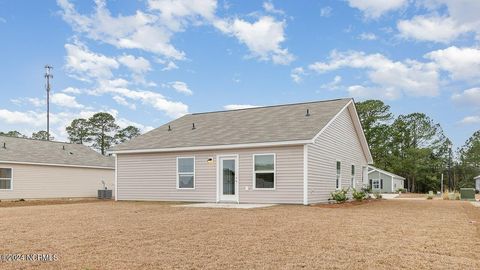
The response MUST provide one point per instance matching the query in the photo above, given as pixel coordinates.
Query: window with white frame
(338, 181)
(5, 178)
(352, 179)
(186, 172)
(264, 171)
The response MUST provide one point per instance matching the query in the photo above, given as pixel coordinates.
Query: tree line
(415, 147)
(100, 132)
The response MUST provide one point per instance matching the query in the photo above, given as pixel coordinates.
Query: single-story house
(383, 181)
(35, 169)
(477, 182)
(295, 153)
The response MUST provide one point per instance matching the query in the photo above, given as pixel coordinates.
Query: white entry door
(228, 182)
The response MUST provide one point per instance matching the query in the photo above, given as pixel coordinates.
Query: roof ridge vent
(308, 113)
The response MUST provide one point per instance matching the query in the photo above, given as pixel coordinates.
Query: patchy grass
(397, 234)
(18, 203)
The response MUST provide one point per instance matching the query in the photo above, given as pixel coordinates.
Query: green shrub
(402, 190)
(377, 195)
(359, 195)
(339, 196)
(429, 196)
(457, 195)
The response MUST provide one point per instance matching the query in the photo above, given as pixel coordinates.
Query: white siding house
(276, 154)
(34, 169)
(383, 181)
(477, 182)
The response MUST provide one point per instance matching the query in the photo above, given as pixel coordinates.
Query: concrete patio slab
(226, 205)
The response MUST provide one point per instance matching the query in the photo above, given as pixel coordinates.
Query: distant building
(383, 181)
(477, 182)
(35, 169)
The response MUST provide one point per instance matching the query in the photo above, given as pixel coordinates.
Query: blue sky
(150, 61)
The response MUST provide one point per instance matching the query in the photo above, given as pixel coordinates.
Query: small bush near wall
(359, 195)
(339, 196)
(377, 195)
(401, 190)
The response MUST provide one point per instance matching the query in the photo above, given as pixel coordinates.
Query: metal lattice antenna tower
(48, 76)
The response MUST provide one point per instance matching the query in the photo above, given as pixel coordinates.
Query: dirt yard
(411, 234)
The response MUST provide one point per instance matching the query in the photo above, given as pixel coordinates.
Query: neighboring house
(34, 169)
(477, 182)
(296, 153)
(383, 181)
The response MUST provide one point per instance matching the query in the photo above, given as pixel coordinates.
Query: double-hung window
(186, 172)
(338, 183)
(264, 171)
(6, 178)
(352, 179)
(376, 184)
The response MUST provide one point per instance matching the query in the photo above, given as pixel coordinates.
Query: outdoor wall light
(210, 160)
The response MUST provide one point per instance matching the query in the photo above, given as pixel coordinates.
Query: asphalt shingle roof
(48, 152)
(254, 125)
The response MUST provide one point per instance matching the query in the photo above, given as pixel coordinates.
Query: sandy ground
(399, 234)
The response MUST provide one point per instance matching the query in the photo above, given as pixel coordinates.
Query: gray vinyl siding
(48, 182)
(152, 176)
(338, 142)
(399, 184)
(387, 181)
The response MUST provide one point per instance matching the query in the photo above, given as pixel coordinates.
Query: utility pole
(48, 76)
(449, 166)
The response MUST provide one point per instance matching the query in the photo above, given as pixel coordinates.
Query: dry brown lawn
(401, 234)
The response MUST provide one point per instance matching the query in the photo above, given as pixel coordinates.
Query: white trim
(116, 178)
(269, 171)
(213, 147)
(235, 157)
(477, 177)
(339, 175)
(56, 165)
(178, 174)
(305, 174)
(385, 172)
(11, 179)
(363, 139)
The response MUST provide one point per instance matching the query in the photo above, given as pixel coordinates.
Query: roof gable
(28, 151)
(272, 124)
(374, 169)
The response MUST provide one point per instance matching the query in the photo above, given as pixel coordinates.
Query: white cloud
(438, 29)
(269, 7)
(262, 37)
(367, 36)
(85, 65)
(470, 120)
(297, 74)
(170, 66)
(16, 117)
(122, 101)
(411, 77)
(72, 90)
(180, 87)
(372, 92)
(461, 63)
(67, 101)
(469, 97)
(156, 100)
(135, 64)
(326, 11)
(376, 8)
(238, 106)
(176, 14)
(333, 85)
(445, 21)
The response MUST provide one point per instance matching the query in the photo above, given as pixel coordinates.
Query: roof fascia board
(361, 133)
(385, 172)
(212, 147)
(55, 165)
